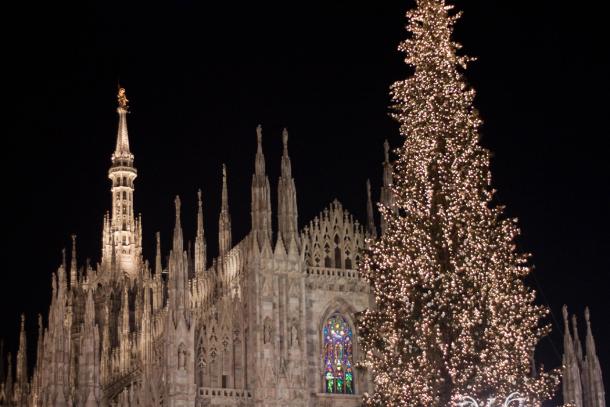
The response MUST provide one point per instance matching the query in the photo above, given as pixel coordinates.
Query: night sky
(200, 78)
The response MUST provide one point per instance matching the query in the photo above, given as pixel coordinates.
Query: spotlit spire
(287, 199)
(224, 220)
(261, 198)
(122, 141)
(178, 246)
(200, 245)
(122, 173)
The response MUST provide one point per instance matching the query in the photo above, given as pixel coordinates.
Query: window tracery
(337, 339)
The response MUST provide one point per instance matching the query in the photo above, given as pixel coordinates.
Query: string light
(453, 316)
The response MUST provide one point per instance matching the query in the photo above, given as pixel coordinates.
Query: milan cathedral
(270, 322)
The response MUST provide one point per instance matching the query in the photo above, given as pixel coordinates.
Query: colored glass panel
(337, 356)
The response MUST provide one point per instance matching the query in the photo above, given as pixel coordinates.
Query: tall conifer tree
(453, 316)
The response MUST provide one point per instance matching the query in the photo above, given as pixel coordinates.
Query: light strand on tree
(453, 315)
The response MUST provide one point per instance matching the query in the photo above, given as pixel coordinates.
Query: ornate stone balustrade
(333, 272)
(224, 393)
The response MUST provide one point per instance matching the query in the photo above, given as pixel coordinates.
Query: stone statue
(267, 331)
(294, 337)
(181, 357)
(122, 98)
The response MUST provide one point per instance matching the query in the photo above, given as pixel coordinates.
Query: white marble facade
(245, 330)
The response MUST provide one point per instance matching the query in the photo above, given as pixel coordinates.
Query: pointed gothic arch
(202, 360)
(337, 346)
(338, 355)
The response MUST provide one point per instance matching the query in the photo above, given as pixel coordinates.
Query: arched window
(337, 350)
(201, 363)
(338, 257)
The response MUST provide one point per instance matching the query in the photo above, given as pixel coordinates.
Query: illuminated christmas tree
(453, 315)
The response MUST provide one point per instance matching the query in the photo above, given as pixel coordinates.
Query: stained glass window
(337, 356)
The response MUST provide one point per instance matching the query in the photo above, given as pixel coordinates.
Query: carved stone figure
(122, 98)
(294, 337)
(267, 331)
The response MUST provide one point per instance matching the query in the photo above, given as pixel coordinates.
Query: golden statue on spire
(122, 98)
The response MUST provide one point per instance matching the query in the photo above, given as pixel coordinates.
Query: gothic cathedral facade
(270, 322)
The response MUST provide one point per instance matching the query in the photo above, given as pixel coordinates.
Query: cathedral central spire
(122, 140)
(121, 234)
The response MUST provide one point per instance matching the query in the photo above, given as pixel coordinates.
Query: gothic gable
(333, 239)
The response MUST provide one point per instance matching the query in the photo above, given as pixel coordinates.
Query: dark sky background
(200, 78)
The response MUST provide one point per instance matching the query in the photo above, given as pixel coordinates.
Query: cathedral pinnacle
(21, 368)
(582, 379)
(386, 197)
(369, 211)
(259, 169)
(224, 219)
(177, 204)
(200, 245)
(590, 344)
(286, 170)
(261, 198)
(285, 140)
(178, 244)
(259, 137)
(73, 266)
(287, 199)
(158, 266)
(386, 151)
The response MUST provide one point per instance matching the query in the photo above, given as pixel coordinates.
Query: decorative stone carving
(180, 333)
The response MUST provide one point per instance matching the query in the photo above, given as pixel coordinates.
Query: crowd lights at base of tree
(513, 400)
